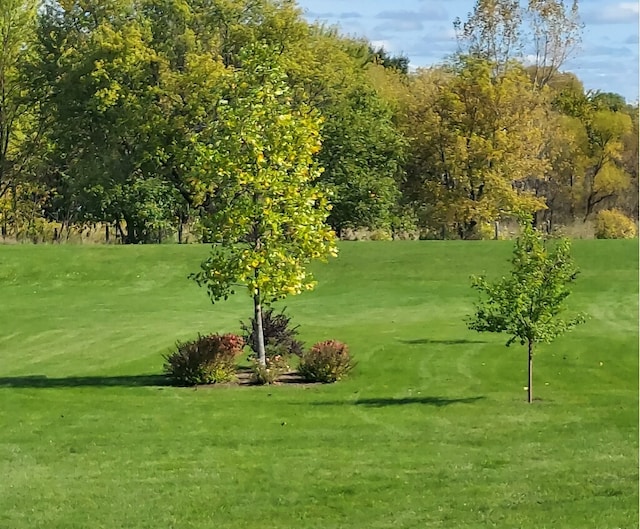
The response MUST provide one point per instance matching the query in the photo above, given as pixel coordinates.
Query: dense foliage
(613, 224)
(326, 362)
(131, 117)
(280, 336)
(256, 162)
(268, 373)
(206, 360)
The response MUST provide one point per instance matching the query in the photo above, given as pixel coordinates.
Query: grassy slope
(431, 431)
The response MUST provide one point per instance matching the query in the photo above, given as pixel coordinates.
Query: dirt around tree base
(243, 378)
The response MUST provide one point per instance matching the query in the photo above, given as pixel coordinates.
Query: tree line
(117, 113)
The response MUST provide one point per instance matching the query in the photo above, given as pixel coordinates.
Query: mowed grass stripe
(430, 431)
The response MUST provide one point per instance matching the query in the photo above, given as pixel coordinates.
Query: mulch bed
(243, 378)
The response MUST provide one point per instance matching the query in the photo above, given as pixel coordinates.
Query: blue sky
(607, 59)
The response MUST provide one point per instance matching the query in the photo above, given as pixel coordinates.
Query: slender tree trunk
(530, 385)
(14, 205)
(257, 310)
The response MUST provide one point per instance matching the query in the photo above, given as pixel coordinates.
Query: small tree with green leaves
(528, 303)
(256, 162)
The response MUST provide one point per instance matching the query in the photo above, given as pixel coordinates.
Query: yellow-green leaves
(267, 214)
(527, 303)
(17, 24)
(476, 138)
(588, 159)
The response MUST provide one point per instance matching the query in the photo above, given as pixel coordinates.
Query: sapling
(527, 304)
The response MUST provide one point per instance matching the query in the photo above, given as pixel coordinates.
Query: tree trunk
(14, 205)
(530, 385)
(120, 232)
(466, 229)
(257, 310)
(133, 234)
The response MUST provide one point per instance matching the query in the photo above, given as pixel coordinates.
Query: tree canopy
(255, 158)
(527, 304)
(101, 103)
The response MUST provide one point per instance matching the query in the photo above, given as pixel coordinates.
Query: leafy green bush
(279, 335)
(277, 365)
(207, 360)
(325, 362)
(613, 224)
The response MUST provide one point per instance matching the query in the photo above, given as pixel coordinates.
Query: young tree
(527, 304)
(256, 161)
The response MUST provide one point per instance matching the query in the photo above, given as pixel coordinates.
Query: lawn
(431, 430)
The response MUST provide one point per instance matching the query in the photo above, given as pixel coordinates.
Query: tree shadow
(427, 401)
(42, 381)
(422, 341)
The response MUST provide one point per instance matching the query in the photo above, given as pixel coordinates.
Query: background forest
(113, 117)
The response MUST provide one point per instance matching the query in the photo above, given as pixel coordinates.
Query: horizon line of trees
(107, 109)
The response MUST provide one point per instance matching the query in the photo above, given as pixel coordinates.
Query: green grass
(431, 430)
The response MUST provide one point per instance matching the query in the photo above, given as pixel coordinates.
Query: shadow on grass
(422, 341)
(41, 381)
(427, 401)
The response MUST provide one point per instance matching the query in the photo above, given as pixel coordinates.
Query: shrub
(381, 234)
(325, 362)
(613, 224)
(207, 360)
(486, 231)
(404, 224)
(277, 365)
(279, 335)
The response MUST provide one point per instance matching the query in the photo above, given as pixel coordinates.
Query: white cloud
(619, 13)
(377, 44)
(633, 7)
